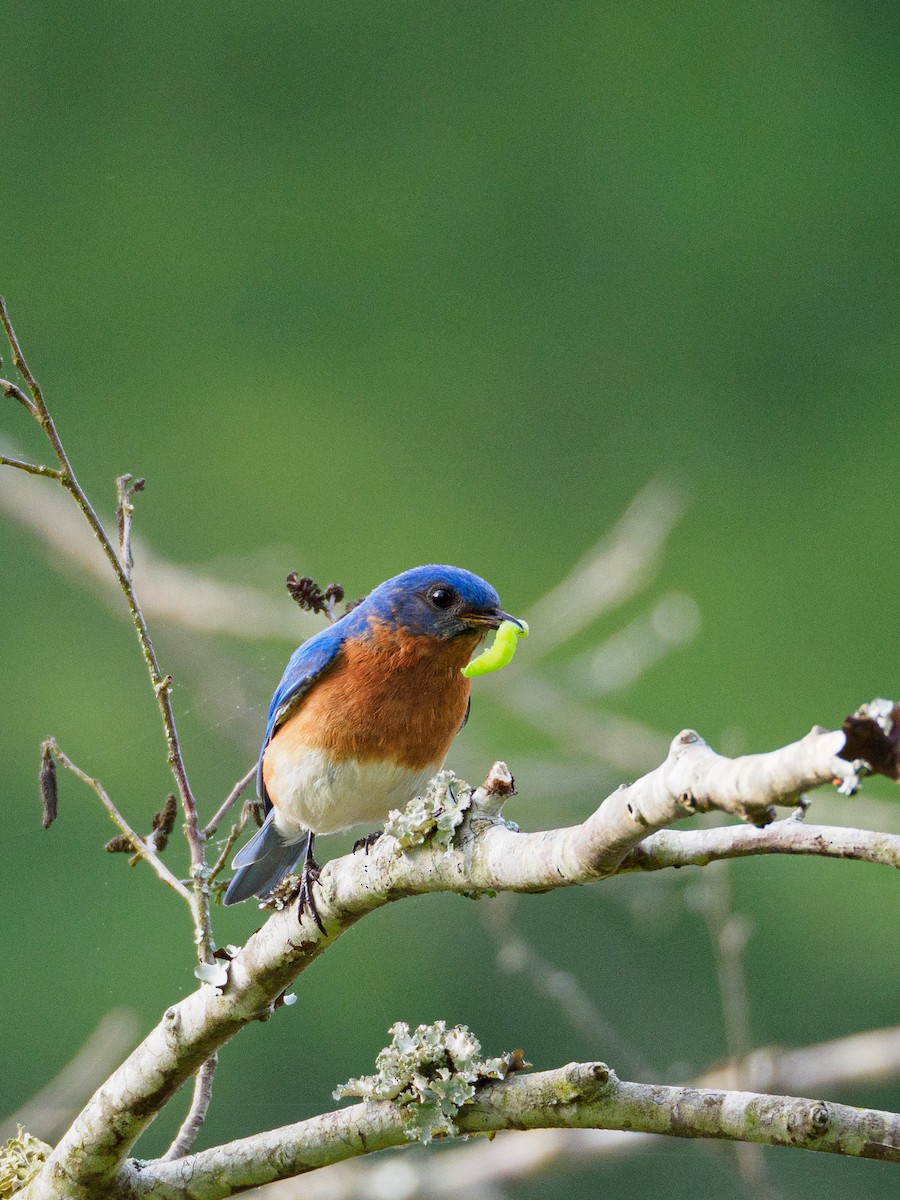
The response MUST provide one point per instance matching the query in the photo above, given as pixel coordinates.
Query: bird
(363, 717)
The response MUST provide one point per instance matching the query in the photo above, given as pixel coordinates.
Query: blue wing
(306, 665)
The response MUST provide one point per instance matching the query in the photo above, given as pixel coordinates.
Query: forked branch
(120, 562)
(486, 855)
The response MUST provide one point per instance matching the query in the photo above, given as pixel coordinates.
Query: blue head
(436, 601)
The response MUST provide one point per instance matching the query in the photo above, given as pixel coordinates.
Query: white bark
(487, 855)
(578, 1096)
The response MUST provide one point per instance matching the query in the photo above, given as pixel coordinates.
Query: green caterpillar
(500, 651)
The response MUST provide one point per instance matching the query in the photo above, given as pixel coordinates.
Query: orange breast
(395, 699)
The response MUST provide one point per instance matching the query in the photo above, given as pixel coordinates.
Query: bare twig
(193, 1122)
(729, 932)
(621, 742)
(626, 655)
(236, 830)
(232, 798)
(14, 392)
(30, 468)
(869, 1057)
(142, 846)
(161, 683)
(18, 359)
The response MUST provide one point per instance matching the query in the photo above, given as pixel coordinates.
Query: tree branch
(479, 1165)
(577, 1096)
(698, 847)
(228, 844)
(488, 855)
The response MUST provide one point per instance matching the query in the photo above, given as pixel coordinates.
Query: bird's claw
(306, 898)
(366, 843)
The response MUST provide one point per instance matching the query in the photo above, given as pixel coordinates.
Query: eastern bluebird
(363, 718)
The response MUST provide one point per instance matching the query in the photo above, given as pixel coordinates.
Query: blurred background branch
(50, 1111)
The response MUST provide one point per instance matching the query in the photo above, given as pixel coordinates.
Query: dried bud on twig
(164, 823)
(307, 593)
(47, 780)
(120, 844)
(126, 486)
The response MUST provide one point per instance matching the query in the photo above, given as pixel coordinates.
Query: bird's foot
(306, 897)
(366, 843)
(284, 892)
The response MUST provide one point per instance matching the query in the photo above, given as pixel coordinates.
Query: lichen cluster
(429, 1074)
(20, 1161)
(435, 815)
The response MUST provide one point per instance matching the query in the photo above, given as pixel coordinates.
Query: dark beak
(490, 618)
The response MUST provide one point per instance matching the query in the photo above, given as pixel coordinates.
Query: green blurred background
(364, 285)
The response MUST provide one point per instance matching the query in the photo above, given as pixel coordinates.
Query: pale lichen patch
(434, 816)
(20, 1161)
(429, 1074)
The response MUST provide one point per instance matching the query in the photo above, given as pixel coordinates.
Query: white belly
(315, 793)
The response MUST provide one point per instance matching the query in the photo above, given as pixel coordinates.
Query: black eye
(441, 597)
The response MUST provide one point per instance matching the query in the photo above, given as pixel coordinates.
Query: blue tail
(263, 862)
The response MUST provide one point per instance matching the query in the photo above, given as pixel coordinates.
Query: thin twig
(236, 830)
(729, 932)
(161, 683)
(18, 358)
(14, 392)
(621, 742)
(193, 1122)
(31, 468)
(233, 796)
(872, 1056)
(141, 846)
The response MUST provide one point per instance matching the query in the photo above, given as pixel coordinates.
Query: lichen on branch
(429, 1073)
